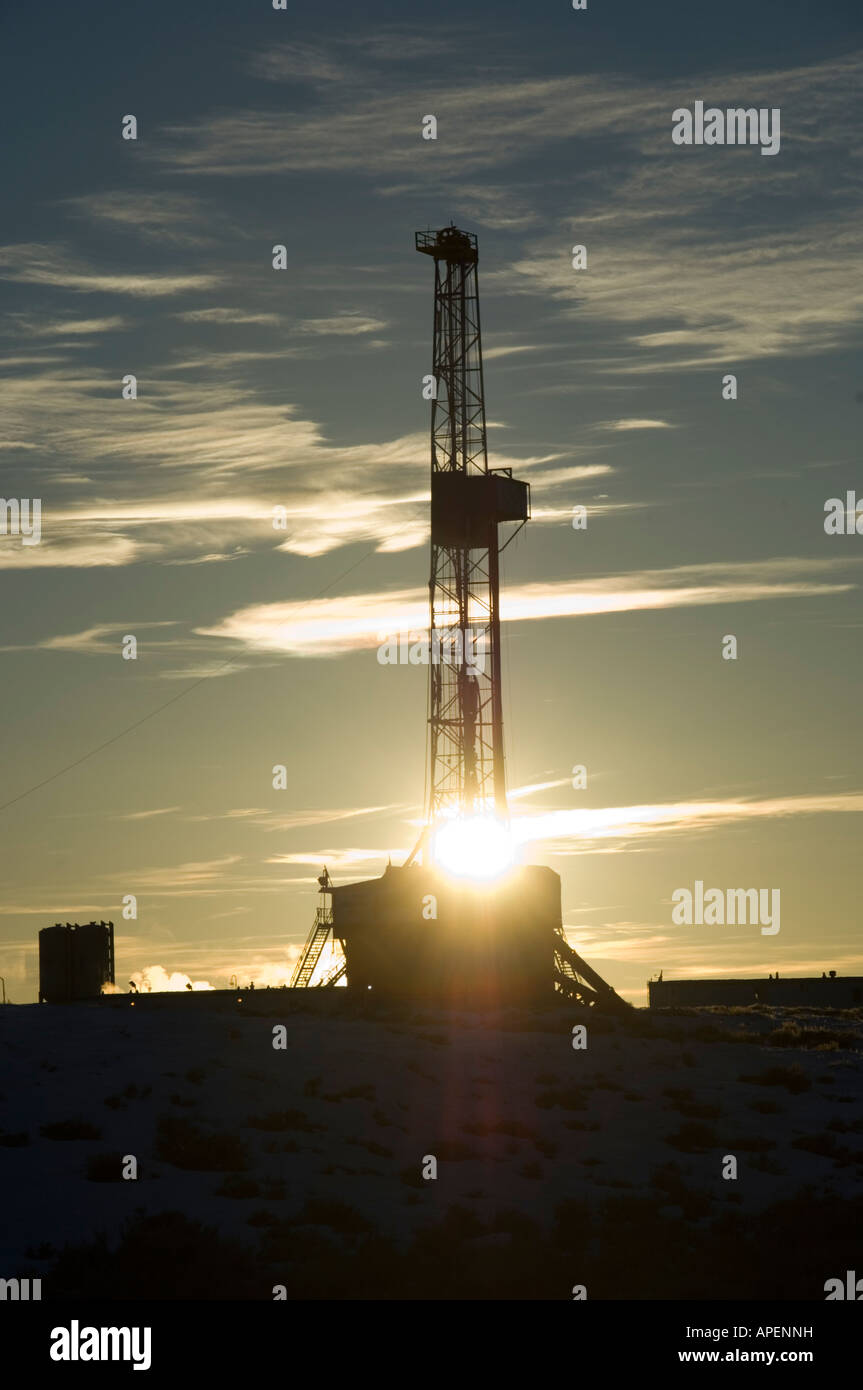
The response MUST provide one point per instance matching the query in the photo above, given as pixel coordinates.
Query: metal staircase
(334, 976)
(575, 979)
(311, 952)
(315, 942)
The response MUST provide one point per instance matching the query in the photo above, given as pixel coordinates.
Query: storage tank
(55, 964)
(92, 959)
(75, 961)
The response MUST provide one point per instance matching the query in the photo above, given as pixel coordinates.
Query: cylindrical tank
(55, 964)
(75, 961)
(92, 959)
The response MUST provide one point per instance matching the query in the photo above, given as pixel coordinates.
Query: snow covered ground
(355, 1104)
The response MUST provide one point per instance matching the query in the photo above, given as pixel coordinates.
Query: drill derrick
(468, 503)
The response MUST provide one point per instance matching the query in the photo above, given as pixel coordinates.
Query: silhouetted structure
(468, 503)
(502, 941)
(417, 933)
(833, 992)
(75, 961)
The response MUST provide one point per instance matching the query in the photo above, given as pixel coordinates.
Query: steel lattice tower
(468, 502)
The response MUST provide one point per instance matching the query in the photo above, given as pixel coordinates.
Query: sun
(473, 847)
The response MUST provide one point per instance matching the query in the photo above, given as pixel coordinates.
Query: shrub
(547, 1147)
(278, 1121)
(793, 1078)
(372, 1147)
(751, 1143)
(262, 1217)
(826, 1146)
(513, 1127)
(790, 1034)
(338, 1216)
(70, 1129)
(182, 1144)
(846, 1126)
(452, 1150)
(162, 1256)
(364, 1092)
(412, 1176)
(629, 1247)
(686, 1105)
(105, 1167)
(567, 1097)
(693, 1138)
(763, 1163)
(239, 1187)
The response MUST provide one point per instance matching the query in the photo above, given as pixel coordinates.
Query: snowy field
(321, 1146)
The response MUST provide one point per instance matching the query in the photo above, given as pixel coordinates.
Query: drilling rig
(413, 931)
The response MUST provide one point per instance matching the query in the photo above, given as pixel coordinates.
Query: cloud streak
(332, 626)
(30, 263)
(562, 828)
(488, 123)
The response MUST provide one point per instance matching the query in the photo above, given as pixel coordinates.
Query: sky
(301, 389)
